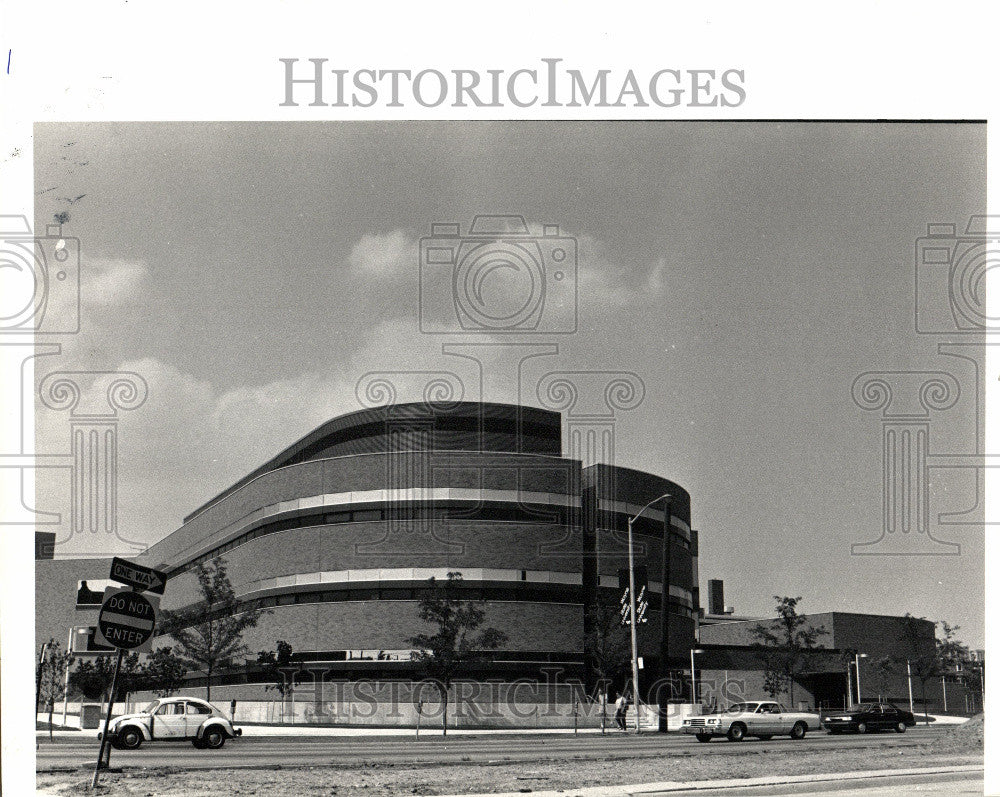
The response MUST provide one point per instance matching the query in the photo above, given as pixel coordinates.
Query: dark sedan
(868, 718)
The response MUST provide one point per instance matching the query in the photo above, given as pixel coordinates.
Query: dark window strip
(455, 512)
(515, 592)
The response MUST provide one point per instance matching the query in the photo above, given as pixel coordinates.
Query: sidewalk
(735, 783)
(290, 729)
(347, 731)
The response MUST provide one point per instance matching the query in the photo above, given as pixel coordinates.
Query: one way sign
(138, 577)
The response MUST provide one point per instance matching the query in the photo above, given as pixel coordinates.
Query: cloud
(391, 254)
(103, 284)
(106, 283)
(192, 438)
(605, 282)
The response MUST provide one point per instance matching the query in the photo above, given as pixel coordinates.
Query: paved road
(319, 751)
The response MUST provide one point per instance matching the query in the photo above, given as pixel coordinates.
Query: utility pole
(631, 605)
(665, 560)
(38, 679)
(909, 684)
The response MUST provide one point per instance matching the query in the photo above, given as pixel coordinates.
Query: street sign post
(140, 578)
(126, 622)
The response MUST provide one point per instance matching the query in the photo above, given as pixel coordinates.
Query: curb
(733, 783)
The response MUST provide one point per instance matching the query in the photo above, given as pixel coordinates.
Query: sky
(747, 273)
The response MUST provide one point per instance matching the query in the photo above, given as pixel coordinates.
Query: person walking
(621, 709)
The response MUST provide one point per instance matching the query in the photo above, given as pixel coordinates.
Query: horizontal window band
(420, 576)
(626, 510)
(455, 513)
(499, 594)
(656, 587)
(647, 529)
(307, 658)
(395, 497)
(470, 576)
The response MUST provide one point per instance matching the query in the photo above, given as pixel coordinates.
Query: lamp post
(694, 683)
(631, 604)
(857, 669)
(38, 679)
(909, 684)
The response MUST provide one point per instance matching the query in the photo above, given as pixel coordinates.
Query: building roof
(416, 426)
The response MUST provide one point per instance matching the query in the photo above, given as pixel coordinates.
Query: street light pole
(38, 679)
(909, 684)
(694, 683)
(857, 667)
(69, 649)
(631, 616)
(631, 605)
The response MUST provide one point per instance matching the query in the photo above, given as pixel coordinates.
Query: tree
(882, 670)
(974, 677)
(163, 673)
(608, 643)
(209, 633)
(786, 645)
(458, 640)
(276, 667)
(926, 662)
(93, 677)
(608, 646)
(52, 683)
(949, 651)
(922, 666)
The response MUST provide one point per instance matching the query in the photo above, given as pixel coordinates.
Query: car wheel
(214, 738)
(862, 727)
(703, 737)
(198, 743)
(130, 738)
(737, 732)
(901, 727)
(765, 737)
(798, 730)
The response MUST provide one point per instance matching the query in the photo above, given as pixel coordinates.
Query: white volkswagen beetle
(173, 719)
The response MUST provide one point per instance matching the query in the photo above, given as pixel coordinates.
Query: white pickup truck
(762, 718)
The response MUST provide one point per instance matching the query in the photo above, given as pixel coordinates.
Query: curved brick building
(338, 534)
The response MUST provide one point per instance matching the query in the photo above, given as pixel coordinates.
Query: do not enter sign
(127, 619)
